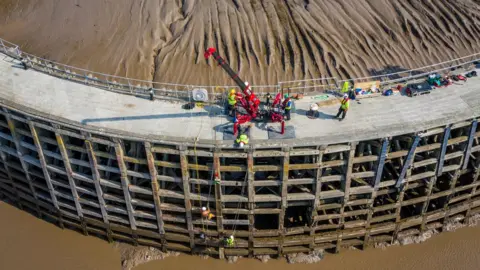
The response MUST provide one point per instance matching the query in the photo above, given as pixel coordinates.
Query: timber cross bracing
(274, 200)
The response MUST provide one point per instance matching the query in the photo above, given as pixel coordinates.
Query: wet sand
(27, 242)
(266, 40)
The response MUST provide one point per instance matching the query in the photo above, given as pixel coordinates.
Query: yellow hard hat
(232, 91)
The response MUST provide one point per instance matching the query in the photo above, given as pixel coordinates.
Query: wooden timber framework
(274, 201)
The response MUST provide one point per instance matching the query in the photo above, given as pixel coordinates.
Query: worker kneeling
(232, 102)
(207, 214)
(344, 105)
(242, 139)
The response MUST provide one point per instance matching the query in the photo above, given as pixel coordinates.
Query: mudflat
(27, 242)
(266, 40)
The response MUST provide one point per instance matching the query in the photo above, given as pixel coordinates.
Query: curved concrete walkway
(371, 118)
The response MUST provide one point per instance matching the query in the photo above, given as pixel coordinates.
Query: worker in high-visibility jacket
(232, 101)
(287, 106)
(230, 241)
(344, 105)
(243, 139)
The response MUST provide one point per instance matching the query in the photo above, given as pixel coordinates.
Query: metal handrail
(174, 91)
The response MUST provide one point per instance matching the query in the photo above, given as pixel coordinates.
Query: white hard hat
(345, 95)
(231, 236)
(204, 208)
(246, 83)
(241, 144)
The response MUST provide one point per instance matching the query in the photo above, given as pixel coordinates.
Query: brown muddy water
(27, 242)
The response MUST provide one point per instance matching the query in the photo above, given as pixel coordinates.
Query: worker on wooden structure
(344, 105)
(242, 138)
(230, 241)
(232, 102)
(287, 106)
(207, 214)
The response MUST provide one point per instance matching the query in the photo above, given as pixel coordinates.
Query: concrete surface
(367, 119)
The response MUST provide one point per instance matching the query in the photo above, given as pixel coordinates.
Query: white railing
(171, 91)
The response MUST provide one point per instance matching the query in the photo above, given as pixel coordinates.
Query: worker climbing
(287, 106)
(243, 136)
(344, 105)
(206, 213)
(232, 101)
(230, 241)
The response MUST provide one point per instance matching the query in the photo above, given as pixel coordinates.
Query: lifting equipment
(248, 105)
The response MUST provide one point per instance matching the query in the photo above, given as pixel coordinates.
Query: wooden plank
(155, 187)
(468, 151)
(408, 161)
(119, 152)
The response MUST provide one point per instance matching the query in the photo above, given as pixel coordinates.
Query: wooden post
(251, 200)
(376, 185)
(468, 150)
(218, 193)
(68, 168)
(155, 190)
(346, 188)
(281, 217)
(119, 152)
(441, 160)
(316, 201)
(25, 166)
(96, 181)
(43, 163)
(186, 193)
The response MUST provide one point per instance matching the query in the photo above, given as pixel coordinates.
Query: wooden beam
(284, 202)
(441, 159)
(251, 200)
(381, 163)
(155, 187)
(20, 154)
(218, 192)
(119, 152)
(186, 192)
(96, 178)
(468, 151)
(68, 168)
(43, 162)
(408, 161)
(346, 189)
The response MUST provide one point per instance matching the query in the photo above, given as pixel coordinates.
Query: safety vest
(232, 100)
(242, 138)
(230, 242)
(345, 104)
(288, 104)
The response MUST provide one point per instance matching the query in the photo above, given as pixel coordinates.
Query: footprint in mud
(129, 105)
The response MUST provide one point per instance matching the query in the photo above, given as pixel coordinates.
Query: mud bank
(267, 40)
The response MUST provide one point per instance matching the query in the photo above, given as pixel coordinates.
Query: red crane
(249, 101)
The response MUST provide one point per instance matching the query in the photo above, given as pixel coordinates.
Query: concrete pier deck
(367, 119)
